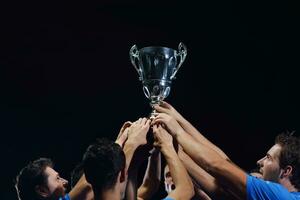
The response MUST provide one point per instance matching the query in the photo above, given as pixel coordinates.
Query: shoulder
(257, 187)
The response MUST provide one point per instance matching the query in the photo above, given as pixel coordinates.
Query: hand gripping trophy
(157, 67)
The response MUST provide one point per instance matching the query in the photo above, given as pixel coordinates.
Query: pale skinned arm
(81, 189)
(123, 133)
(151, 179)
(137, 134)
(167, 108)
(199, 175)
(207, 158)
(184, 186)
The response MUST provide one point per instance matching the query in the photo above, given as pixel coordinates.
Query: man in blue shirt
(38, 180)
(280, 167)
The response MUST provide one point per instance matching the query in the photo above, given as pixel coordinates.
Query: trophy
(157, 67)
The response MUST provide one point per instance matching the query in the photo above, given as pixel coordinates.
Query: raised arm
(137, 134)
(226, 173)
(81, 189)
(203, 181)
(152, 177)
(133, 136)
(187, 126)
(184, 188)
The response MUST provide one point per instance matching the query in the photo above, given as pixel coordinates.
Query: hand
(137, 133)
(122, 136)
(162, 139)
(167, 108)
(171, 124)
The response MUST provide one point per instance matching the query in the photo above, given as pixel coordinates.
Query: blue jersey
(168, 198)
(258, 189)
(66, 197)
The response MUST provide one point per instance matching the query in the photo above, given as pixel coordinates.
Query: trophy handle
(134, 54)
(182, 52)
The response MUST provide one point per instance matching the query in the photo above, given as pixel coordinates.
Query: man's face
(169, 185)
(269, 165)
(55, 184)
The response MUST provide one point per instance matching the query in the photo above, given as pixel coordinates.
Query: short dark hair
(76, 174)
(102, 163)
(30, 176)
(290, 155)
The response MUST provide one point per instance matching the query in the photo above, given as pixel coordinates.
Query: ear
(287, 171)
(123, 175)
(42, 191)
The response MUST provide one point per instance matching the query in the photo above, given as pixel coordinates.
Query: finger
(144, 120)
(139, 120)
(155, 119)
(124, 126)
(154, 128)
(148, 122)
(160, 109)
(158, 121)
(165, 104)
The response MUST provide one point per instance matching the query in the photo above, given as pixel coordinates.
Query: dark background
(66, 77)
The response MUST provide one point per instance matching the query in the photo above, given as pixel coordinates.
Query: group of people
(193, 167)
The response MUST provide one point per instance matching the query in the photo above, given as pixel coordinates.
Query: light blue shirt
(66, 197)
(258, 189)
(168, 198)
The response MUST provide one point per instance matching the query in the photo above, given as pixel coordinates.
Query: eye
(168, 174)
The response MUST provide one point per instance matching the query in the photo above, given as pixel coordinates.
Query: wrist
(167, 149)
(130, 144)
(179, 133)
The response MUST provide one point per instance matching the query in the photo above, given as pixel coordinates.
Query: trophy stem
(153, 112)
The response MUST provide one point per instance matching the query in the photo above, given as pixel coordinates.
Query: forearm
(181, 179)
(189, 128)
(225, 172)
(129, 149)
(81, 189)
(202, 178)
(151, 179)
(131, 186)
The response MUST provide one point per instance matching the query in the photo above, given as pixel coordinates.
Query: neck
(288, 185)
(110, 194)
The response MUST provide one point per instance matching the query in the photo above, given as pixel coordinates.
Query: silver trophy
(157, 67)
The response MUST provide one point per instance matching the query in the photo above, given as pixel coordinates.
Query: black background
(66, 77)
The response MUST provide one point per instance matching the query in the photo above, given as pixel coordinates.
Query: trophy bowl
(157, 67)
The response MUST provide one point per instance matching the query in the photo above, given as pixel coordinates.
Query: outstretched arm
(203, 181)
(137, 134)
(184, 188)
(152, 176)
(167, 108)
(224, 171)
(81, 189)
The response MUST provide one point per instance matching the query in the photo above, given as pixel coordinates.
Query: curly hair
(290, 155)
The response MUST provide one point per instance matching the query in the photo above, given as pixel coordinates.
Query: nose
(64, 182)
(260, 162)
